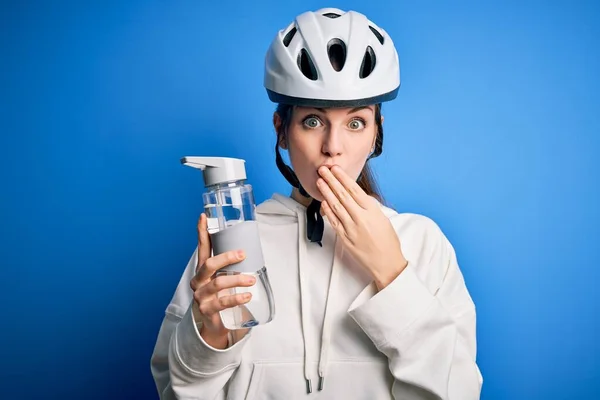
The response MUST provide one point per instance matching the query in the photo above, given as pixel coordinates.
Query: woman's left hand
(366, 232)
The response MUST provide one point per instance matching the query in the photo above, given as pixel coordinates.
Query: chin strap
(314, 220)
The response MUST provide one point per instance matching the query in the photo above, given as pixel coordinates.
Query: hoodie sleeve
(183, 365)
(424, 322)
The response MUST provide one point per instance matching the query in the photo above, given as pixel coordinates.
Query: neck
(305, 201)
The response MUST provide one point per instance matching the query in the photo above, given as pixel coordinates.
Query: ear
(277, 125)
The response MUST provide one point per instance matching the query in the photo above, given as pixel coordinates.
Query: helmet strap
(314, 220)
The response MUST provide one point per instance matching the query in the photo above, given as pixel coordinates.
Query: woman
(371, 304)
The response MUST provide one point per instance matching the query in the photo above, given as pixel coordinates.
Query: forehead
(335, 111)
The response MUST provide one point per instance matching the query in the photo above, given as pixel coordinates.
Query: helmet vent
(337, 53)
(377, 34)
(332, 15)
(289, 36)
(306, 65)
(368, 63)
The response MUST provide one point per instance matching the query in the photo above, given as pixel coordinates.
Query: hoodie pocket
(348, 380)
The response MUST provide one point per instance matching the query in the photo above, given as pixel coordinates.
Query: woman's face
(328, 136)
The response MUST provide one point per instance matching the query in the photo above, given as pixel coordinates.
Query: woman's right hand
(206, 288)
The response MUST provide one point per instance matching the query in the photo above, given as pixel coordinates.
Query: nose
(332, 143)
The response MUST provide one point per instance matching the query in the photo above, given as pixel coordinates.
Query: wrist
(219, 342)
(382, 280)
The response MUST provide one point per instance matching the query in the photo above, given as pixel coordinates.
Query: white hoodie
(415, 339)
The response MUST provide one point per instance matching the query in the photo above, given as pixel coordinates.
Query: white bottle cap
(217, 169)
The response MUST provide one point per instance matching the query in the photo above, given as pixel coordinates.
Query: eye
(357, 124)
(311, 122)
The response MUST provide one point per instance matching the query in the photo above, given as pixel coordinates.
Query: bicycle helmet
(332, 58)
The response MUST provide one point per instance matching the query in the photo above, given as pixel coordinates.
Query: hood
(281, 205)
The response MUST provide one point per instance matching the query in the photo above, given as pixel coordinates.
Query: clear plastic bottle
(230, 208)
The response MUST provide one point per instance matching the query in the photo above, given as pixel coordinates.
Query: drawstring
(304, 299)
(305, 306)
(331, 292)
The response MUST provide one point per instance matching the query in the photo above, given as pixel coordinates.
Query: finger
(352, 187)
(341, 193)
(213, 264)
(335, 205)
(333, 219)
(226, 282)
(218, 304)
(204, 245)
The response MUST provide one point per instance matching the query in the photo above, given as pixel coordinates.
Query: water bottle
(230, 210)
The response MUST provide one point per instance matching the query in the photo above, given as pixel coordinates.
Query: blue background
(494, 135)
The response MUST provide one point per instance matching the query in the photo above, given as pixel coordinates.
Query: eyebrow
(355, 109)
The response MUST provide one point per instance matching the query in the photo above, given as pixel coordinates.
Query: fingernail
(251, 280)
(246, 296)
(240, 254)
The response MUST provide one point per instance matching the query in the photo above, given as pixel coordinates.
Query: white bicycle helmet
(332, 58)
